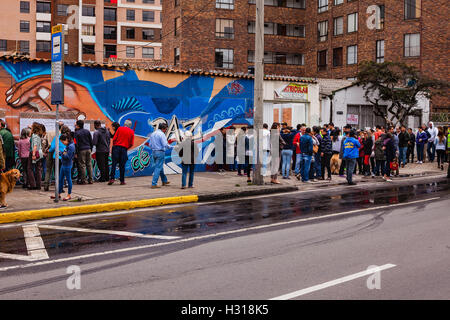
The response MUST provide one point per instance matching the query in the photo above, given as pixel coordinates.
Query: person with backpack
(306, 146)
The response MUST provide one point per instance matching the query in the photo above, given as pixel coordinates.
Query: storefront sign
(293, 91)
(352, 119)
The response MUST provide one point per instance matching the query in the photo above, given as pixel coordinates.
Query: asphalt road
(295, 246)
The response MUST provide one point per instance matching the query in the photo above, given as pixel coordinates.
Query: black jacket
(403, 138)
(101, 140)
(84, 140)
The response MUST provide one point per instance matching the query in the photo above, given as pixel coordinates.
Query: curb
(247, 193)
(20, 216)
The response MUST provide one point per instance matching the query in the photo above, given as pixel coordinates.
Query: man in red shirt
(123, 140)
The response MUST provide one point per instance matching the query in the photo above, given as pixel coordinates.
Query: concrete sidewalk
(207, 186)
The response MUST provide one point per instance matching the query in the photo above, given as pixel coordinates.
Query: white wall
(355, 95)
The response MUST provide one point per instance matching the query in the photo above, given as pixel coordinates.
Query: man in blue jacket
(306, 148)
(351, 153)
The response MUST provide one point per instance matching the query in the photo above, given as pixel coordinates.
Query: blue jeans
(65, 172)
(402, 155)
(317, 172)
(158, 159)
(286, 156)
(185, 168)
(297, 163)
(380, 164)
(351, 164)
(431, 149)
(119, 156)
(420, 152)
(305, 164)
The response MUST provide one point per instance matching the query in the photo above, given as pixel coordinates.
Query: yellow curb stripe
(21, 216)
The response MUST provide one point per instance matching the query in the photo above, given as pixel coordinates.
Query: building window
(225, 4)
(88, 30)
(130, 33)
(352, 54)
(322, 31)
(412, 9)
(148, 34)
(338, 26)
(24, 47)
(412, 45)
(148, 53)
(337, 57)
(88, 11)
(224, 58)
(336, 2)
(177, 23)
(322, 60)
(62, 10)
(88, 49)
(322, 5)
(3, 45)
(149, 1)
(177, 3)
(352, 22)
(24, 7)
(43, 46)
(130, 15)
(148, 16)
(176, 56)
(278, 58)
(42, 26)
(224, 29)
(24, 26)
(110, 32)
(110, 50)
(380, 18)
(130, 52)
(299, 4)
(66, 48)
(379, 58)
(290, 30)
(110, 14)
(43, 7)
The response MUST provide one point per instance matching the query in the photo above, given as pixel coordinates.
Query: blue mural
(201, 104)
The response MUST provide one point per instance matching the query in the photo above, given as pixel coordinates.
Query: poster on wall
(352, 119)
(48, 123)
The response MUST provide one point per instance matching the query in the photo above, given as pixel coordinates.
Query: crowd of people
(309, 154)
(36, 149)
(316, 153)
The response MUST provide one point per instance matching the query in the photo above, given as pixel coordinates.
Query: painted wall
(201, 104)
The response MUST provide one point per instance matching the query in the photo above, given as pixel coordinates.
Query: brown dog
(335, 164)
(7, 183)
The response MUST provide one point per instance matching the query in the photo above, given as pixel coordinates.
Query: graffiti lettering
(141, 160)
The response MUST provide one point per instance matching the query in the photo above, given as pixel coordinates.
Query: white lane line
(112, 232)
(328, 284)
(208, 236)
(35, 246)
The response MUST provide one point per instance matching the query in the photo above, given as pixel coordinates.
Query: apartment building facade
(96, 30)
(309, 38)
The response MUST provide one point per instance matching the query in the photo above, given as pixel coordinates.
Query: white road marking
(208, 236)
(112, 232)
(35, 246)
(328, 284)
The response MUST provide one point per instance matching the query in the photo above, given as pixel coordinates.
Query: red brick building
(311, 38)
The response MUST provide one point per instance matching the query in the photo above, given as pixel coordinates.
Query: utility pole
(258, 91)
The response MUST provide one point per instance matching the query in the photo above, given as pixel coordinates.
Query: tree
(398, 84)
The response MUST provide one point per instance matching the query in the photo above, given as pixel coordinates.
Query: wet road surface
(77, 240)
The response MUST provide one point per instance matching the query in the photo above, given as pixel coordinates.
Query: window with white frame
(322, 5)
(336, 2)
(130, 52)
(322, 31)
(224, 29)
(352, 22)
(148, 53)
(352, 54)
(224, 58)
(225, 4)
(338, 26)
(380, 51)
(412, 45)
